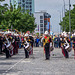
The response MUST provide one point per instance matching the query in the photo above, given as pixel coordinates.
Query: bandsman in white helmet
(65, 45)
(26, 45)
(73, 41)
(46, 42)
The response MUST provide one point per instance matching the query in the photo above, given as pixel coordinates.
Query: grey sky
(52, 7)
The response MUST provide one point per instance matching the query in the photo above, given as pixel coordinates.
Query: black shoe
(47, 58)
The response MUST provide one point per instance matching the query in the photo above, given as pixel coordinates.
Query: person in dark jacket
(1, 42)
(37, 40)
(56, 41)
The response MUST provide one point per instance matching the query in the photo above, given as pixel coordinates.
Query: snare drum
(29, 48)
(68, 48)
(51, 48)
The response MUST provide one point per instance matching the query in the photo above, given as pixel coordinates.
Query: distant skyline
(52, 7)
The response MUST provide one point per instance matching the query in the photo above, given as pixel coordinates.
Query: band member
(1, 42)
(46, 42)
(6, 42)
(14, 45)
(17, 43)
(73, 40)
(26, 45)
(64, 43)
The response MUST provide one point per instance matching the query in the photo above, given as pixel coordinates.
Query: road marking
(26, 61)
(12, 67)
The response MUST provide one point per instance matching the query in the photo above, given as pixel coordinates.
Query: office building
(42, 19)
(24, 4)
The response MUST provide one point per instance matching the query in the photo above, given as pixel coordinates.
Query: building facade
(24, 4)
(5, 2)
(42, 19)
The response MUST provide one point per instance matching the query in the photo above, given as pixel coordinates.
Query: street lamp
(69, 19)
(60, 19)
(64, 10)
(64, 7)
(64, 13)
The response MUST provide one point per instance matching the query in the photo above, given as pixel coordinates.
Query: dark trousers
(26, 53)
(0, 48)
(59, 44)
(7, 53)
(37, 44)
(66, 53)
(47, 52)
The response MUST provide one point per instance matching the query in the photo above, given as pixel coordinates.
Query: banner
(48, 26)
(38, 27)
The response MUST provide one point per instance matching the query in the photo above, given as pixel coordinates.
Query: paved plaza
(37, 65)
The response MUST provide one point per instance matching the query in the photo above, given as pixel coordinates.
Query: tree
(3, 8)
(18, 19)
(66, 20)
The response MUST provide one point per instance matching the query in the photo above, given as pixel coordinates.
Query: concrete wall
(37, 21)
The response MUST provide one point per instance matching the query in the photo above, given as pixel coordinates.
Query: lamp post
(64, 7)
(69, 19)
(60, 20)
(64, 14)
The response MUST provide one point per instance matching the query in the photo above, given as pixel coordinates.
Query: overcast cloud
(52, 7)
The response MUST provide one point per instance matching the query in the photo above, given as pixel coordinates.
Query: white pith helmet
(26, 35)
(46, 33)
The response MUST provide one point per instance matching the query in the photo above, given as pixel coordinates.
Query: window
(45, 21)
(23, 0)
(41, 29)
(41, 17)
(30, 9)
(23, 5)
(41, 25)
(30, 2)
(30, 6)
(27, 6)
(41, 21)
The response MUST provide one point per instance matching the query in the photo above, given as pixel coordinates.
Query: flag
(38, 27)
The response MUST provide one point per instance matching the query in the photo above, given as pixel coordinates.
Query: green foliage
(37, 34)
(2, 0)
(3, 8)
(19, 20)
(65, 22)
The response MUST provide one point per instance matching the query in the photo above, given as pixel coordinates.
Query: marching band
(11, 42)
